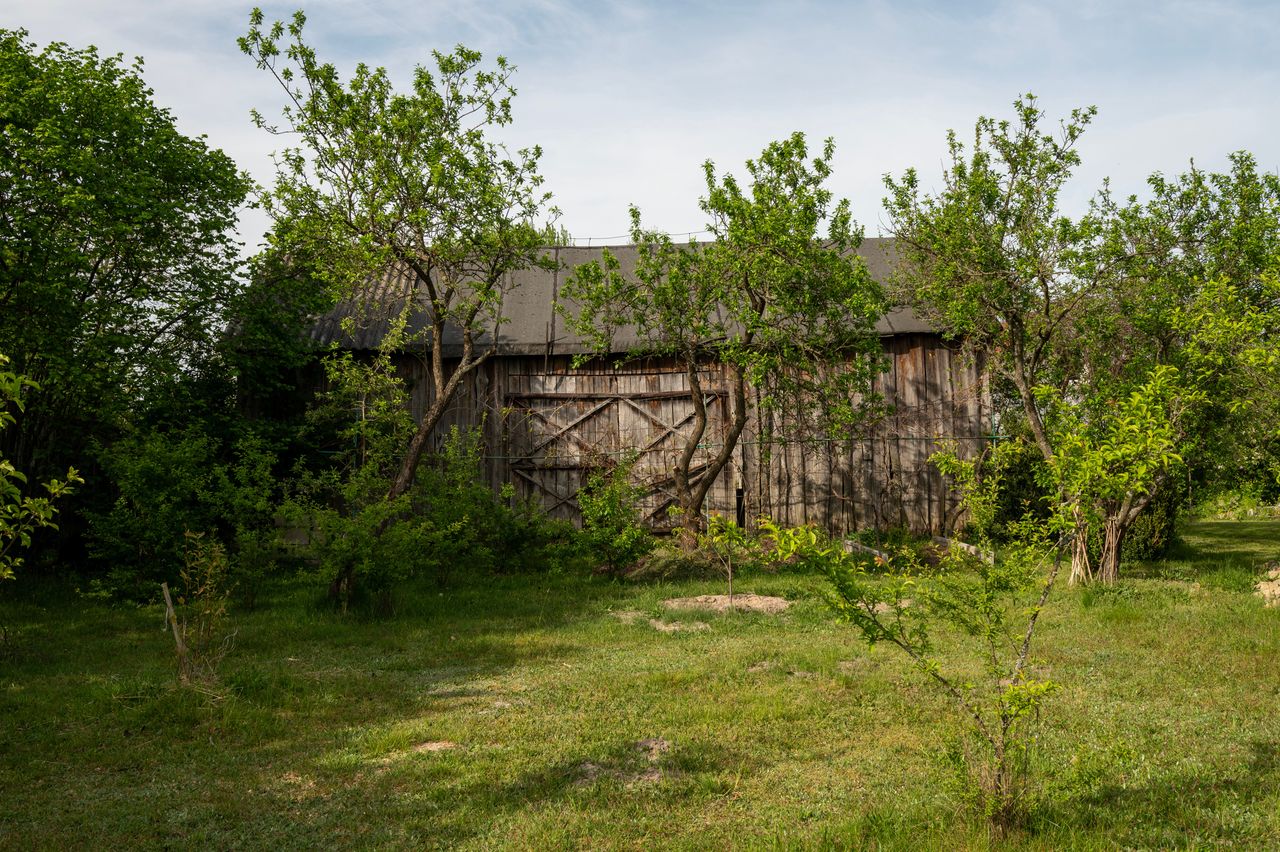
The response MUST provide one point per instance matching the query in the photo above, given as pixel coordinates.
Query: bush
(1155, 532)
(611, 515)
(1152, 535)
(993, 606)
(365, 542)
(1022, 492)
(198, 618)
(169, 483)
(22, 514)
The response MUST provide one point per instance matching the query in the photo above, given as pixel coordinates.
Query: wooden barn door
(559, 427)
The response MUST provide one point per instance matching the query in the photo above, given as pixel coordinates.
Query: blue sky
(627, 99)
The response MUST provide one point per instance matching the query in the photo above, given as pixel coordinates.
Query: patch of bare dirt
(678, 626)
(434, 745)
(883, 608)
(720, 603)
(654, 748)
(627, 769)
(1268, 587)
(857, 665)
(762, 666)
(632, 616)
(300, 787)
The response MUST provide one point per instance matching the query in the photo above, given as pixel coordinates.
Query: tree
(1119, 339)
(786, 310)
(116, 260)
(412, 182)
(992, 606)
(1188, 323)
(992, 261)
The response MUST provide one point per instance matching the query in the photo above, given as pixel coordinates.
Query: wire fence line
(588, 242)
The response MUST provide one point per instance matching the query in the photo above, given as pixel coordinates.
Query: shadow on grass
(1219, 554)
(1184, 810)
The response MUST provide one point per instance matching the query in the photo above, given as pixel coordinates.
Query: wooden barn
(547, 423)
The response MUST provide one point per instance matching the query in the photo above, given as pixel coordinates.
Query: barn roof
(533, 326)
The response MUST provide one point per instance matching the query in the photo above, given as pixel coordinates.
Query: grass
(783, 731)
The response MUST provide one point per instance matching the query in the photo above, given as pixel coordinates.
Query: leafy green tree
(785, 309)
(1123, 339)
(116, 260)
(990, 258)
(381, 180)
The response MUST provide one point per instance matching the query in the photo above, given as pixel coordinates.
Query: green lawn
(507, 713)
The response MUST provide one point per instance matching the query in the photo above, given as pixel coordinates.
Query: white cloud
(627, 99)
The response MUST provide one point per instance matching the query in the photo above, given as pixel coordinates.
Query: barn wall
(546, 424)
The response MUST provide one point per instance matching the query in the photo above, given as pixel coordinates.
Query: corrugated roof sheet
(532, 325)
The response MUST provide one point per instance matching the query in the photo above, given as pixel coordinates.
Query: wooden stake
(172, 617)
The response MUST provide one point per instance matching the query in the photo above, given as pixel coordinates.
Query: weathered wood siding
(546, 424)
(882, 477)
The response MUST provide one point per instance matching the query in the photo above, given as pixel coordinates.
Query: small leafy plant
(725, 540)
(995, 603)
(22, 514)
(198, 618)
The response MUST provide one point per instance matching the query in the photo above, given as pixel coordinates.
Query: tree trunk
(430, 419)
(1113, 531)
(1081, 569)
(692, 497)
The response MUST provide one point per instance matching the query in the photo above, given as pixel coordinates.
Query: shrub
(170, 482)
(610, 505)
(22, 514)
(362, 539)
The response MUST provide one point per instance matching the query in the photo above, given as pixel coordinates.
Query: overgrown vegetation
(1128, 342)
(611, 523)
(22, 513)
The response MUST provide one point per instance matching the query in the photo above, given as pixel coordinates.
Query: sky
(627, 99)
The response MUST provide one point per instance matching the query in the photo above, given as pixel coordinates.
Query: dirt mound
(1268, 588)
(628, 769)
(434, 745)
(720, 603)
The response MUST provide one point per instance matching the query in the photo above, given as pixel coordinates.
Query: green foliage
(788, 309)
(1154, 532)
(990, 255)
(116, 258)
(371, 542)
(172, 482)
(726, 542)
(1130, 342)
(610, 507)
(994, 603)
(22, 514)
(1026, 489)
